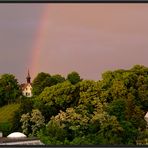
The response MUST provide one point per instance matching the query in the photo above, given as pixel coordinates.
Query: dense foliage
(73, 111)
(43, 80)
(9, 89)
(73, 77)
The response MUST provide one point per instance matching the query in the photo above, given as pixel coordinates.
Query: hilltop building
(27, 87)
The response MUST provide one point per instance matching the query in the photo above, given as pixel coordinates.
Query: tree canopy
(9, 89)
(73, 77)
(74, 111)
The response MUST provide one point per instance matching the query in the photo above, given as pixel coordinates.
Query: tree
(78, 123)
(55, 98)
(31, 123)
(110, 130)
(110, 111)
(37, 119)
(25, 119)
(126, 91)
(73, 77)
(40, 82)
(26, 106)
(43, 80)
(9, 89)
(89, 94)
(78, 126)
(55, 79)
(117, 108)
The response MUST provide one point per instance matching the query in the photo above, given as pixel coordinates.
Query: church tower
(26, 87)
(28, 78)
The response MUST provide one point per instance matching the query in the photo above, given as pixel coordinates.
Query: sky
(61, 38)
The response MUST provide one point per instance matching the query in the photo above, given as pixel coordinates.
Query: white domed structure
(16, 135)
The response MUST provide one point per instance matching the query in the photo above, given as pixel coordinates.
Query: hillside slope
(6, 115)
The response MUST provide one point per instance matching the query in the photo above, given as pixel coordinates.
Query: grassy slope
(6, 115)
(7, 112)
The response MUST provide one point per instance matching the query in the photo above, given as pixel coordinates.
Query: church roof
(24, 85)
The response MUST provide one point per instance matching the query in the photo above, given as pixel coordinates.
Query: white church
(27, 87)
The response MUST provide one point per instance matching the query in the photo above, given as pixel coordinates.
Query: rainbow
(39, 41)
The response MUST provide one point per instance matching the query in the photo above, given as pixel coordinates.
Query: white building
(26, 87)
(18, 138)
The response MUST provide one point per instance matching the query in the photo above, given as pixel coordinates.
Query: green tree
(110, 130)
(40, 82)
(43, 80)
(31, 123)
(73, 77)
(110, 111)
(117, 108)
(25, 119)
(55, 79)
(126, 93)
(55, 98)
(26, 106)
(37, 119)
(9, 89)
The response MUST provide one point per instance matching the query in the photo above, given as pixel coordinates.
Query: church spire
(28, 77)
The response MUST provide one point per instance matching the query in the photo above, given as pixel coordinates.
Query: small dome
(16, 135)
